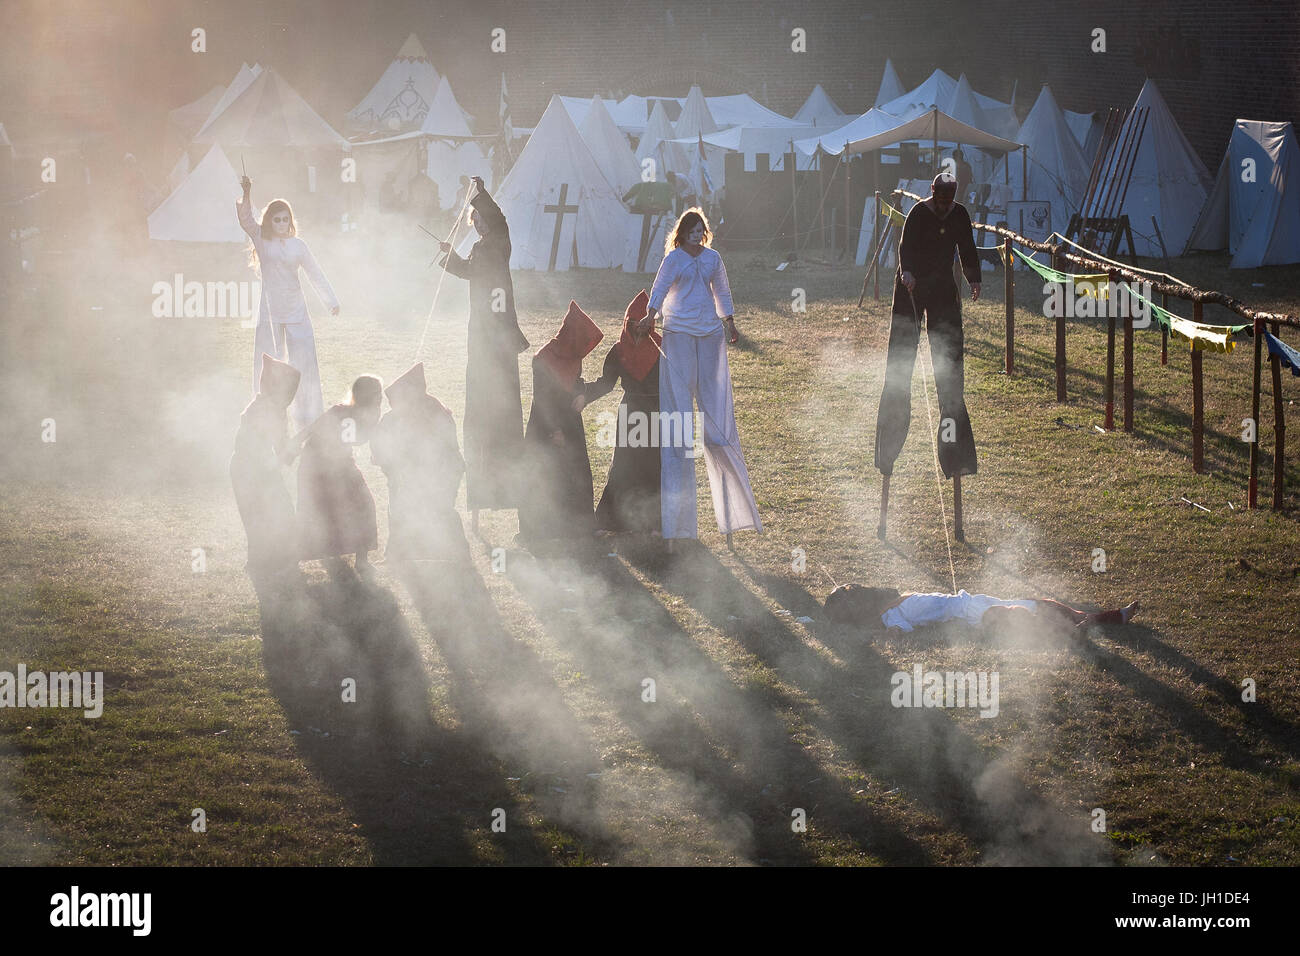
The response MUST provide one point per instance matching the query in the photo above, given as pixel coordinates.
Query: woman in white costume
(283, 325)
(692, 295)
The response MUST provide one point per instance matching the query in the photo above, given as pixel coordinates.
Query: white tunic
(279, 261)
(917, 610)
(691, 291)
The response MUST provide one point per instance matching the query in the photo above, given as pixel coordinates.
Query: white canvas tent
(695, 118)
(657, 143)
(870, 123)
(269, 112)
(556, 165)
(891, 87)
(934, 126)
(202, 208)
(400, 100)
(1169, 183)
(609, 147)
(1254, 209)
(242, 80)
(451, 151)
(820, 110)
(1058, 171)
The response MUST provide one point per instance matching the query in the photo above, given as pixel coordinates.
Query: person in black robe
(261, 448)
(415, 445)
(336, 512)
(924, 286)
(558, 500)
(494, 411)
(630, 501)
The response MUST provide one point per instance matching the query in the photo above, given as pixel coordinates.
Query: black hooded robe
(557, 503)
(494, 410)
(630, 501)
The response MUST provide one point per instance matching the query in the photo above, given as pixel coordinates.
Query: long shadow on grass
(507, 698)
(418, 792)
(923, 752)
(1190, 718)
(723, 739)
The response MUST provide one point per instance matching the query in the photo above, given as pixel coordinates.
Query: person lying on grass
(890, 609)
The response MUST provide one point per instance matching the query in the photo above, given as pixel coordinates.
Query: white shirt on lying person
(279, 261)
(691, 291)
(918, 610)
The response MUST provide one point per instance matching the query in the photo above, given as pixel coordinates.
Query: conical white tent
(1058, 172)
(202, 208)
(400, 100)
(609, 147)
(891, 87)
(242, 81)
(450, 153)
(657, 143)
(185, 121)
(820, 110)
(1169, 183)
(695, 118)
(269, 113)
(559, 204)
(1251, 212)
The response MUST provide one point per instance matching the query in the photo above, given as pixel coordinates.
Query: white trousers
(695, 370)
(295, 344)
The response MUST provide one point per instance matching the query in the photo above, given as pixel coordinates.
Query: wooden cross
(649, 229)
(559, 209)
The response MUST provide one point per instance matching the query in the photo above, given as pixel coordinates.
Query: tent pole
(848, 202)
(1279, 428)
(1252, 488)
(934, 154)
(1024, 173)
(1128, 363)
(794, 202)
(1060, 342)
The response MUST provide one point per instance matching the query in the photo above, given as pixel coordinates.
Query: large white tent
(938, 92)
(891, 87)
(657, 143)
(609, 147)
(1254, 209)
(820, 110)
(451, 152)
(556, 170)
(400, 100)
(1058, 172)
(242, 80)
(269, 112)
(1169, 182)
(696, 117)
(202, 208)
(870, 123)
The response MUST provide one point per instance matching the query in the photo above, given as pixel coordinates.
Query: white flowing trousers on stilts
(695, 370)
(296, 344)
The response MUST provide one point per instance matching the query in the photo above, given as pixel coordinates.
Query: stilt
(884, 506)
(957, 531)
(729, 547)
(473, 520)
(672, 545)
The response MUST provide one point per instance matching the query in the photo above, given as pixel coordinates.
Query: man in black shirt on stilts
(924, 286)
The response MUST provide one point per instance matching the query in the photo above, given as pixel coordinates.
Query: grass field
(518, 695)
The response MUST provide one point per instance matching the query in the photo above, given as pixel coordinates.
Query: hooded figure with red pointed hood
(557, 500)
(260, 451)
(630, 501)
(415, 445)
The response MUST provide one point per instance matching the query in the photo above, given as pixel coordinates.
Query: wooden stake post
(1110, 354)
(1198, 402)
(1253, 487)
(1060, 344)
(1279, 429)
(1009, 293)
(1128, 359)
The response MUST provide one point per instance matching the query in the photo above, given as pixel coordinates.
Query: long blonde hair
(685, 223)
